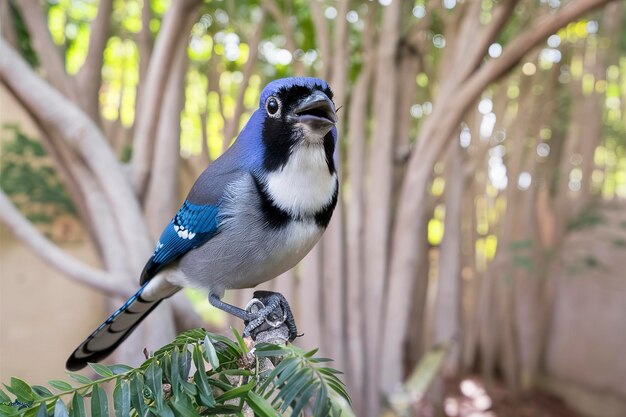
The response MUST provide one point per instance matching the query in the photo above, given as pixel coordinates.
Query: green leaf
(210, 353)
(285, 369)
(201, 380)
(99, 403)
(240, 342)
(175, 371)
(21, 390)
(41, 392)
(42, 411)
(220, 384)
(81, 379)
(154, 381)
(119, 369)
(7, 410)
(260, 406)
(185, 363)
(4, 398)
(166, 411)
(310, 353)
(60, 410)
(78, 406)
(182, 405)
(267, 349)
(60, 385)
(136, 395)
(291, 391)
(321, 405)
(121, 399)
(238, 392)
(303, 400)
(101, 370)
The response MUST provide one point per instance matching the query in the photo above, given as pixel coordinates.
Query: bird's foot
(269, 311)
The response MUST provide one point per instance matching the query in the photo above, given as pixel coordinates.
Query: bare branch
(162, 192)
(78, 271)
(48, 53)
(89, 77)
(144, 39)
(378, 201)
(322, 37)
(434, 136)
(8, 31)
(151, 97)
(230, 130)
(272, 7)
(524, 43)
(488, 35)
(68, 122)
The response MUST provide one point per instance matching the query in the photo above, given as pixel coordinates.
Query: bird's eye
(272, 106)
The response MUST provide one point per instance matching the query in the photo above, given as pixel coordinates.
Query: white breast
(304, 185)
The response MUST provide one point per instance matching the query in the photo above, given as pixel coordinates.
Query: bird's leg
(230, 309)
(274, 311)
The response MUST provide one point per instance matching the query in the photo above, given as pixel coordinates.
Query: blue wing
(192, 226)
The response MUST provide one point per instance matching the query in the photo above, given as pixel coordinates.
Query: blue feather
(192, 226)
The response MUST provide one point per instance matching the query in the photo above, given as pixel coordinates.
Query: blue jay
(253, 214)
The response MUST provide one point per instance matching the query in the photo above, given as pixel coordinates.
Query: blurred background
(481, 226)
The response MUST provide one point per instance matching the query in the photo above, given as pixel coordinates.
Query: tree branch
(78, 271)
(89, 77)
(322, 37)
(162, 192)
(48, 53)
(8, 30)
(272, 7)
(524, 43)
(232, 126)
(72, 125)
(433, 137)
(152, 90)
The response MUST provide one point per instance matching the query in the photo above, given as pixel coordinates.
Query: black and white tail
(106, 338)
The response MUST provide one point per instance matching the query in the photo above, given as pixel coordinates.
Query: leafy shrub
(227, 380)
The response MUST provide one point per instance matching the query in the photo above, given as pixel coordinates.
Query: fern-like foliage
(198, 374)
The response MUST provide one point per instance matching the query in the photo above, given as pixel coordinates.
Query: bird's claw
(269, 310)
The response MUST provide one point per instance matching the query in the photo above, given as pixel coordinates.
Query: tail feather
(106, 338)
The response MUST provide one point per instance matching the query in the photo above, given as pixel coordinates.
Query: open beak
(317, 111)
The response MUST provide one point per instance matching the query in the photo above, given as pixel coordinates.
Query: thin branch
(322, 37)
(522, 44)
(78, 271)
(6, 22)
(488, 35)
(272, 7)
(152, 90)
(162, 192)
(89, 77)
(68, 122)
(232, 126)
(49, 55)
(434, 135)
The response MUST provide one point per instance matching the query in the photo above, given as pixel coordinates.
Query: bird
(251, 215)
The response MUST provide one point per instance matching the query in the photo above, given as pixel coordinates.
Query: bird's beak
(317, 111)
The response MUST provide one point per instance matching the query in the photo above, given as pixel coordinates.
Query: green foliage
(28, 177)
(227, 379)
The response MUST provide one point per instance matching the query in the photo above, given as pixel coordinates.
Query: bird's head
(296, 112)
(299, 109)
